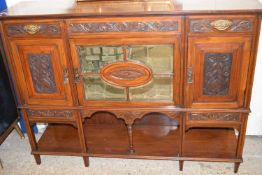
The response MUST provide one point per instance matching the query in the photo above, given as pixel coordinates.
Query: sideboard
(134, 79)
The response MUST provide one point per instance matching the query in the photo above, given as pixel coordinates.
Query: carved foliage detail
(214, 116)
(204, 25)
(160, 26)
(42, 73)
(47, 29)
(217, 69)
(50, 113)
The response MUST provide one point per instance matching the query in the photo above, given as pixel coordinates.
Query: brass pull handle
(221, 24)
(76, 75)
(66, 79)
(32, 28)
(189, 75)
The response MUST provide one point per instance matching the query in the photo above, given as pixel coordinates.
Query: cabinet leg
(181, 165)
(86, 161)
(1, 164)
(19, 132)
(37, 159)
(236, 167)
(130, 135)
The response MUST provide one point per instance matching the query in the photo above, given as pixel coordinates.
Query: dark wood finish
(214, 55)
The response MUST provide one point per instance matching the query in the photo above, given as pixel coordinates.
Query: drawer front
(210, 117)
(50, 115)
(116, 26)
(213, 119)
(221, 24)
(33, 28)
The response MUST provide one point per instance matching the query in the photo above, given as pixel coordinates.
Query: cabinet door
(132, 72)
(42, 71)
(217, 69)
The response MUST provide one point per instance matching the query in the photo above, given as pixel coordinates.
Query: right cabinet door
(217, 69)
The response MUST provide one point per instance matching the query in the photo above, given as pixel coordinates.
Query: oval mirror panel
(126, 74)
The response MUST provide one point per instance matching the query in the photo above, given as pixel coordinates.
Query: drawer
(213, 119)
(221, 24)
(33, 28)
(51, 115)
(135, 26)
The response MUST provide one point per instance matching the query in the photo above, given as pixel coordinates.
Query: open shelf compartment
(210, 143)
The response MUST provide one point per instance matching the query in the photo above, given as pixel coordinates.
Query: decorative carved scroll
(50, 113)
(20, 29)
(42, 73)
(214, 116)
(152, 26)
(126, 74)
(205, 25)
(217, 69)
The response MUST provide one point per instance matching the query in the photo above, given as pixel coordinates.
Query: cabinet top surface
(68, 8)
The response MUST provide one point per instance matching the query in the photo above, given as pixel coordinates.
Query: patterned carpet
(16, 158)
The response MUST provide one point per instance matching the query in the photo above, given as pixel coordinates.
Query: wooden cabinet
(152, 80)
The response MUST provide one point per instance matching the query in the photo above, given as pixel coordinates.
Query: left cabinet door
(42, 71)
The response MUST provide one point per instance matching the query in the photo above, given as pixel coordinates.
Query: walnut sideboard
(128, 79)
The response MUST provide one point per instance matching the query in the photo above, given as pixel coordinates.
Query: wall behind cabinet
(255, 120)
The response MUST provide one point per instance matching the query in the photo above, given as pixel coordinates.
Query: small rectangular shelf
(59, 139)
(210, 143)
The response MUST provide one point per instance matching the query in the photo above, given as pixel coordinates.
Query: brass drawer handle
(221, 24)
(32, 28)
(189, 75)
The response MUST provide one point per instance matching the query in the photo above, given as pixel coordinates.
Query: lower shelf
(210, 143)
(150, 142)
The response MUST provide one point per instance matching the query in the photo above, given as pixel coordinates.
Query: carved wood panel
(148, 26)
(42, 73)
(217, 70)
(204, 25)
(214, 116)
(50, 113)
(20, 29)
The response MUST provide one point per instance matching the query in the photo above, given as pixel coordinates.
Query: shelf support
(130, 137)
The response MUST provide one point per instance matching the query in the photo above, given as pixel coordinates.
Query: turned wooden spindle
(130, 136)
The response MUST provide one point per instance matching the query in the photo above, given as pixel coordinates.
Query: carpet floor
(16, 159)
